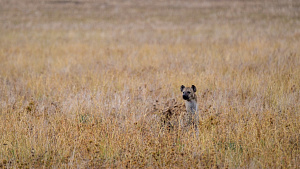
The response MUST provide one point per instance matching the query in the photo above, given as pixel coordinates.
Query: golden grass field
(78, 81)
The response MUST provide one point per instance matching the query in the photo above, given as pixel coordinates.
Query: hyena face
(188, 93)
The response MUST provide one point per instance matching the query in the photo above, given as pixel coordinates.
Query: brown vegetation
(79, 78)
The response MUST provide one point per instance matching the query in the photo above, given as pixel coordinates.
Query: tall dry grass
(77, 79)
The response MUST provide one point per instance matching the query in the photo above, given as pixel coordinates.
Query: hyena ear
(194, 88)
(181, 88)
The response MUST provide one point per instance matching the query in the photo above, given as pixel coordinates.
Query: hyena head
(188, 93)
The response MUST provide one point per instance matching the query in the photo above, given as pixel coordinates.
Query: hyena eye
(189, 92)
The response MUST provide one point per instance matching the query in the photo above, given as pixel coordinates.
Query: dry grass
(77, 79)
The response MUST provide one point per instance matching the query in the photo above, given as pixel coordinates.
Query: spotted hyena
(173, 113)
(190, 97)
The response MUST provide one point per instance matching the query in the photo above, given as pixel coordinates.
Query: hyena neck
(191, 106)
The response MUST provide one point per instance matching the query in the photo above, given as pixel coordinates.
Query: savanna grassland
(79, 80)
